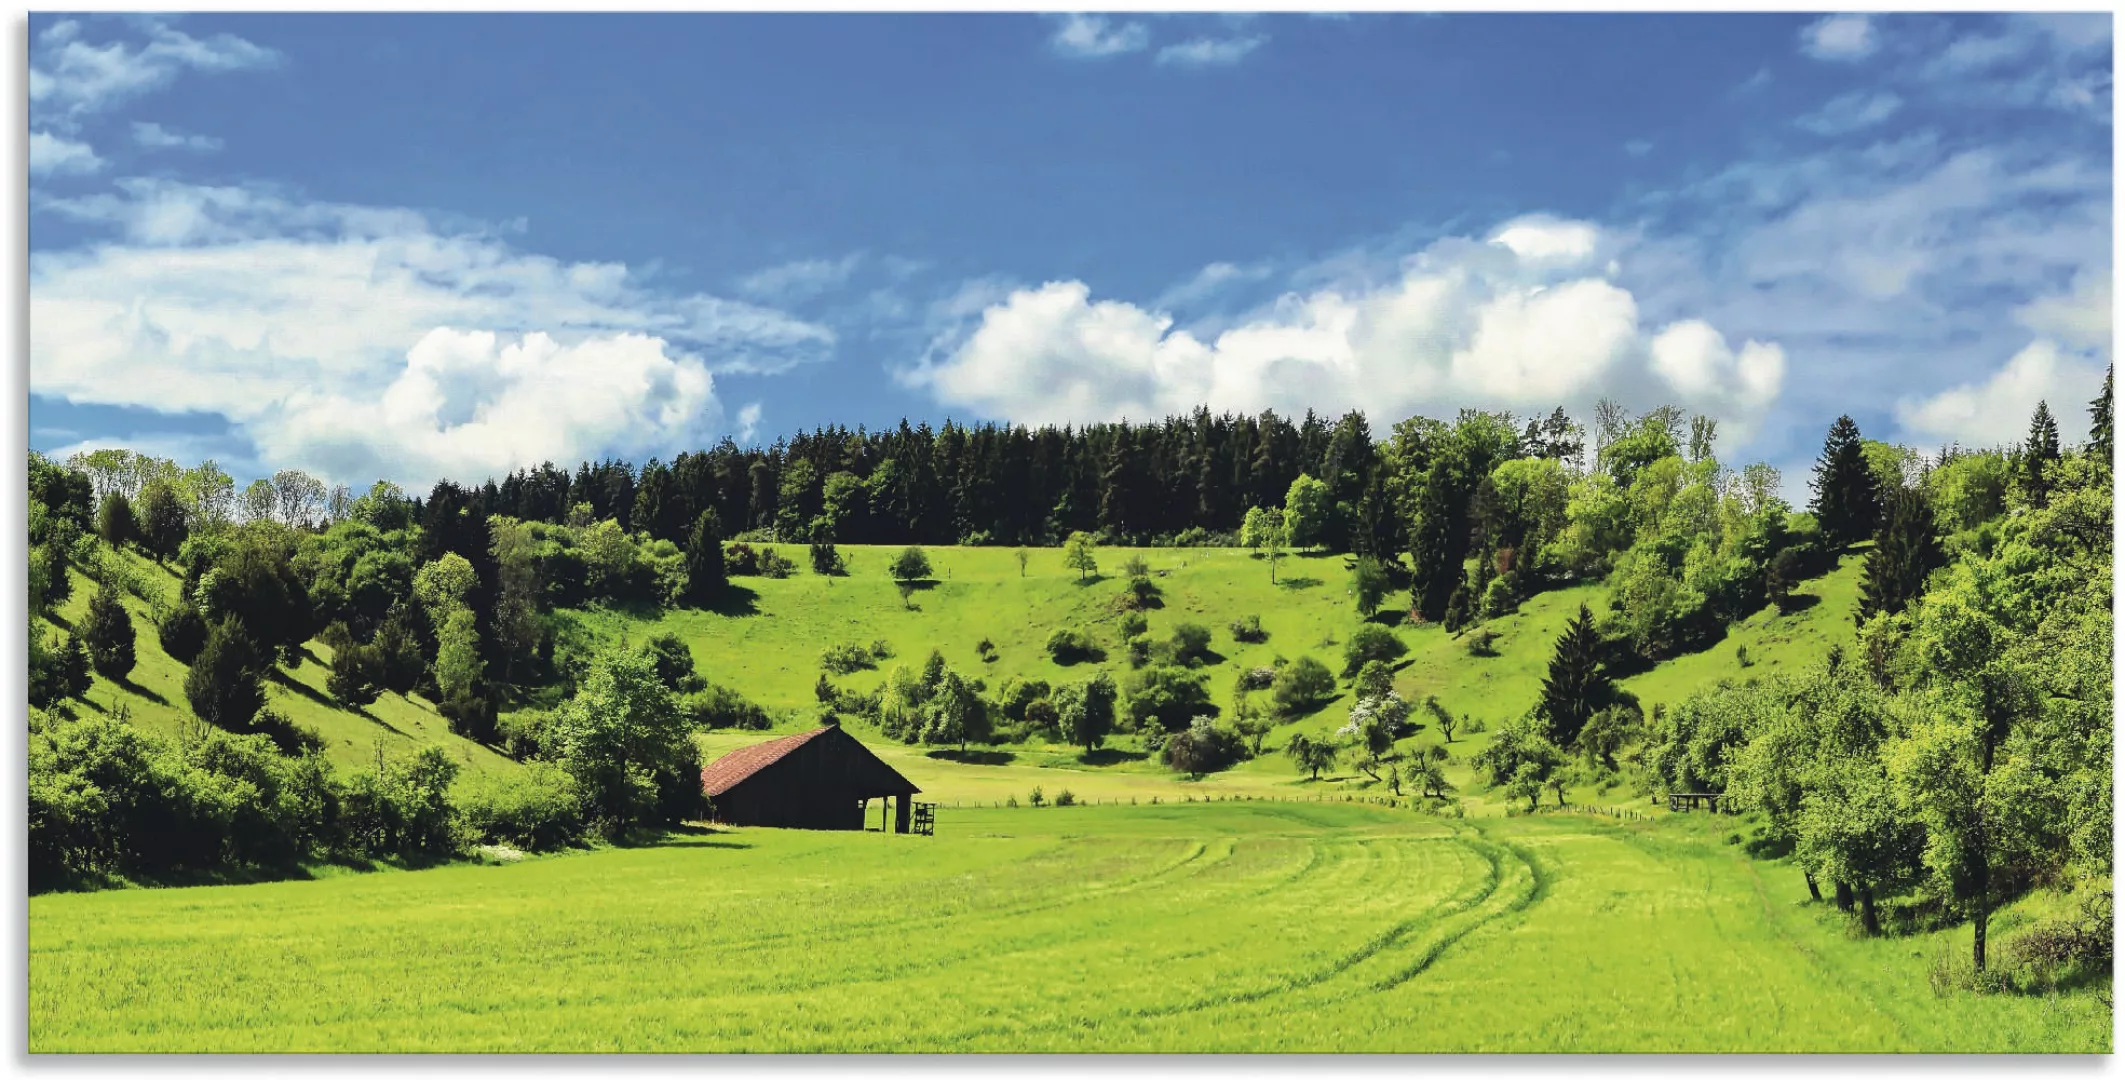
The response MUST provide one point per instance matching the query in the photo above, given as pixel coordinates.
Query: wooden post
(901, 811)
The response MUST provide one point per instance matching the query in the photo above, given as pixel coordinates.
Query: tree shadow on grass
(1298, 583)
(1391, 618)
(132, 687)
(974, 757)
(1795, 603)
(1108, 755)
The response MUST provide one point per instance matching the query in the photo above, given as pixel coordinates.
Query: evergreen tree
(58, 585)
(162, 520)
(1457, 609)
(73, 668)
(1905, 550)
(2099, 420)
(1576, 686)
(2039, 455)
(356, 673)
(223, 685)
(182, 632)
(706, 575)
(398, 648)
(115, 522)
(108, 633)
(1846, 503)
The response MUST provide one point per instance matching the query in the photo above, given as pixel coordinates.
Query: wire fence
(1619, 813)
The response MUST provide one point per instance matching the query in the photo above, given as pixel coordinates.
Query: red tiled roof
(728, 771)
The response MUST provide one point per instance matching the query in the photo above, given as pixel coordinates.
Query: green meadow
(1228, 926)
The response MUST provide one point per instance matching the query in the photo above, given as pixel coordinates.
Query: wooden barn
(819, 779)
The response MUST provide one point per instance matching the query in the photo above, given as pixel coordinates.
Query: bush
(911, 565)
(1064, 798)
(1501, 597)
(881, 649)
(1018, 695)
(774, 565)
(828, 562)
(986, 650)
(1249, 630)
(1067, 646)
(843, 659)
(535, 810)
(1132, 623)
(1139, 650)
(182, 632)
(1255, 678)
(1204, 748)
(1172, 696)
(1301, 687)
(1191, 644)
(722, 707)
(741, 559)
(108, 633)
(1483, 642)
(1371, 641)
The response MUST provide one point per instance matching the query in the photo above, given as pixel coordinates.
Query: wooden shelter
(820, 779)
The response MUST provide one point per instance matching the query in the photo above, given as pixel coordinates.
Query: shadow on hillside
(1393, 618)
(736, 600)
(1795, 603)
(1108, 755)
(132, 687)
(708, 840)
(1298, 583)
(974, 757)
(1093, 579)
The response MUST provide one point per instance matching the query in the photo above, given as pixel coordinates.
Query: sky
(422, 246)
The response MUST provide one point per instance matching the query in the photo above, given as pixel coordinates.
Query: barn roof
(739, 765)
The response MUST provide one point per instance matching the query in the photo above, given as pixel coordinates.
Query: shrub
(986, 650)
(1037, 798)
(223, 687)
(1501, 597)
(1067, 646)
(1041, 714)
(911, 565)
(881, 649)
(774, 565)
(1064, 798)
(722, 707)
(1249, 630)
(182, 632)
(534, 810)
(1483, 642)
(1191, 644)
(1172, 696)
(827, 562)
(108, 633)
(1133, 623)
(1302, 686)
(1255, 678)
(1371, 641)
(1139, 650)
(741, 559)
(1018, 695)
(843, 659)
(1204, 748)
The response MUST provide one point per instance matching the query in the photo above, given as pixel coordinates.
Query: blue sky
(412, 246)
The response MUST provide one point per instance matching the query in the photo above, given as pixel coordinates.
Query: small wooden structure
(819, 779)
(925, 819)
(1683, 802)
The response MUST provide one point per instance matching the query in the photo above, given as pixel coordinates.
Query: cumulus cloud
(1210, 52)
(156, 137)
(1518, 321)
(1840, 37)
(361, 341)
(53, 155)
(1847, 113)
(1995, 412)
(2080, 317)
(1091, 37)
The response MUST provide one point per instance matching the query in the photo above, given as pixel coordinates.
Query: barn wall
(820, 785)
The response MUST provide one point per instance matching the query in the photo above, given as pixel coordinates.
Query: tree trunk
(1844, 897)
(1867, 919)
(1984, 914)
(1814, 890)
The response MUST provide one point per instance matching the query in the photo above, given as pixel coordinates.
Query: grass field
(1226, 926)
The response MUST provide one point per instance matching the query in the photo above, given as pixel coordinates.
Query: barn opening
(818, 779)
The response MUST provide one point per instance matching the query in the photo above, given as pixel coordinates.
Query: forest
(1955, 753)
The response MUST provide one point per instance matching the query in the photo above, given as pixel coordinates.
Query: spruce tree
(706, 575)
(116, 523)
(1846, 502)
(73, 668)
(183, 632)
(356, 673)
(1576, 686)
(2039, 455)
(223, 687)
(162, 521)
(108, 633)
(1905, 550)
(2099, 417)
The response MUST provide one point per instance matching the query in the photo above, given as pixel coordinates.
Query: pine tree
(162, 521)
(183, 632)
(356, 673)
(115, 523)
(2039, 455)
(2099, 418)
(223, 687)
(73, 668)
(108, 633)
(1846, 502)
(1457, 610)
(706, 575)
(1905, 551)
(1576, 686)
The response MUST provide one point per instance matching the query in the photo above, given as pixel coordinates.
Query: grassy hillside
(154, 692)
(1203, 927)
(770, 648)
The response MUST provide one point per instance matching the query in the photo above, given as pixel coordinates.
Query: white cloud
(799, 280)
(1695, 360)
(359, 341)
(1638, 147)
(2080, 318)
(1852, 112)
(53, 155)
(156, 137)
(748, 422)
(1210, 52)
(69, 77)
(1504, 324)
(1840, 37)
(1996, 411)
(1093, 36)
(1208, 282)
